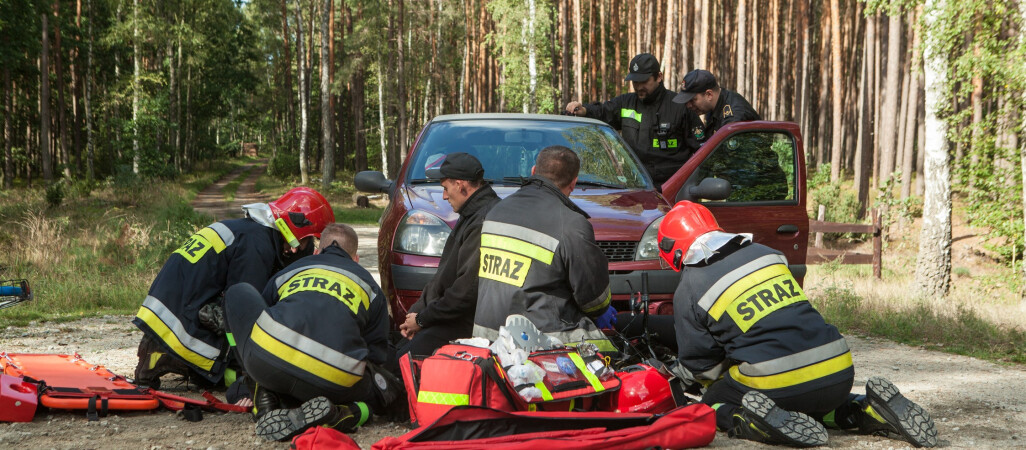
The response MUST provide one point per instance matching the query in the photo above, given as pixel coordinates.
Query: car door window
(760, 167)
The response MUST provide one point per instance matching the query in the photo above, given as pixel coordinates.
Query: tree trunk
(864, 147)
(933, 266)
(290, 112)
(304, 97)
(835, 64)
(742, 57)
(8, 132)
(667, 66)
(136, 61)
(58, 68)
(531, 106)
(912, 114)
(889, 120)
(44, 106)
(564, 81)
(403, 127)
(327, 143)
(88, 80)
(603, 68)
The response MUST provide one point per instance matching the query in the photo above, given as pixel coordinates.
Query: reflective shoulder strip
(595, 383)
(305, 353)
(795, 361)
(794, 377)
(170, 330)
(522, 233)
(443, 398)
(284, 278)
(226, 235)
(516, 246)
(753, 282)
(599, 303)
(630, 114)
(717, 289)
(213, 238)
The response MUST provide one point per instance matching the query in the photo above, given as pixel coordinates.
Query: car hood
(616, 214)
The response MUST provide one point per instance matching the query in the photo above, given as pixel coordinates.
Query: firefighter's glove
(211, 316)
(607, 319)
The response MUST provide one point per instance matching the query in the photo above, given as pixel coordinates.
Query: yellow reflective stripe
(516, 246)
(630, 114)
(794, 377)
(604, 345)
(301, 360)
(285, 231)
(546, 395)
(443, 398)
(595, 383)
(672, 143)
(603, 302)
(172, 341)
(213, 238)
(743, 285)
(343, 288)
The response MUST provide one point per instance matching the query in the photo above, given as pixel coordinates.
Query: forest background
(906, 106)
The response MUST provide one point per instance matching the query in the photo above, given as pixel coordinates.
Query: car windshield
(507, 150)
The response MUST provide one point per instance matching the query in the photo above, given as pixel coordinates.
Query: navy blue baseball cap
(642, 67)
(695, 82)
(458, 166)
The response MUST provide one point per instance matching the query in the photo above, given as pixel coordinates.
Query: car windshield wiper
(599, 184)
(421, 181)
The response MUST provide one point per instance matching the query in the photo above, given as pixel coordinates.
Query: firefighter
(702, 95)
(445, 310)
(182, 318)
(772, 368)
(655, 127)
(539, 259)
(315, 340)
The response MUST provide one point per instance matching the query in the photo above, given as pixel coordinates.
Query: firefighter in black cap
(656, 128)
(701, 94)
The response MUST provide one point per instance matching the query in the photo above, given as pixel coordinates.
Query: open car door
(751, 175)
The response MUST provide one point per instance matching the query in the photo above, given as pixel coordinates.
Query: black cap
(458, 166)
(695, 82)
(643, 67)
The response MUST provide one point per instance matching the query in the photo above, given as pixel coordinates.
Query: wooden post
(821, 216)
(877, 245)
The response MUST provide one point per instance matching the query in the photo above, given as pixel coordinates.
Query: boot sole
(284, 424)
(791, 428)
(905, 416)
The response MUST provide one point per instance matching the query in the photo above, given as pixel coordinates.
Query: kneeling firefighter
(772, 368)
(315, 341)
(182, 316)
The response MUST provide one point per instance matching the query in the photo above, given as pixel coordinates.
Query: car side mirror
(711, 189)
(373, 181)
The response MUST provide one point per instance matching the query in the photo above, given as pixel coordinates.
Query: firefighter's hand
(575, 109)
(607, 319)
(410, 327)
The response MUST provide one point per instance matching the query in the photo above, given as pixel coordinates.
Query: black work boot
(762, 421)
(154, 362)
(885, 411)
(284, 424)
(264, 401)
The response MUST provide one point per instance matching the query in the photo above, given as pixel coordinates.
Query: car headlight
(421, 233)
(648, 247)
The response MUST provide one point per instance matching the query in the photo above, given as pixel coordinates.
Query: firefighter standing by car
(445, 310)
(772, 368)
(701, 94)
(317, 337)
(539, 259)
(656, 128)
(181, 317)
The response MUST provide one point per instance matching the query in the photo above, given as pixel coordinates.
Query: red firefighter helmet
(300, 213)
(685, 222)
(643, 390)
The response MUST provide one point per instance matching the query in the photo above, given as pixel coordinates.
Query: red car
(751, 175)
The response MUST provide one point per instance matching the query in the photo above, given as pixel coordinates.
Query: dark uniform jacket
(327, 318)
(450, 298)
(731, 107)
(539, 259)
(745, 317)
(216, 257)
(656, 128)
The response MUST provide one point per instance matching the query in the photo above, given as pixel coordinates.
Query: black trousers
(815, 402)
(243, 305)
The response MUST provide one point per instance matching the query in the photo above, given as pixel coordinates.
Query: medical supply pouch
(568, 381)
(454, 375)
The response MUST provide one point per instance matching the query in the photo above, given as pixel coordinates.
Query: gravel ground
(976, 404)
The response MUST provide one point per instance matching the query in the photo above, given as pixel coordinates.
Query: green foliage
(522, 45)
(284, 165)
(841, 205)
(55, 194)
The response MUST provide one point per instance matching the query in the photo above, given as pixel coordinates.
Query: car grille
(617, 251)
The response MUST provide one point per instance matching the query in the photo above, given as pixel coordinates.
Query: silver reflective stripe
(309, 346)
(599, 301)
(715, 372)
(485, 332)
(795, 361)
(284, 278)
(717, 289)
(523, 233)
(165, 315)
(226, 235)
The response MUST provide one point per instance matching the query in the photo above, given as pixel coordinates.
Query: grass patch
(232, 187)
(963, 333)
(339, 195)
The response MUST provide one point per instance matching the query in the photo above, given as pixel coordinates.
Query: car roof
(515, 116)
